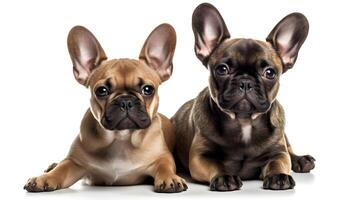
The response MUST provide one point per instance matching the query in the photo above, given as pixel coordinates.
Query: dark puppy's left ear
(288, 36)
(158, 50)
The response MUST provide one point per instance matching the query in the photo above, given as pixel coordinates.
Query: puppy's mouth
(126, 122)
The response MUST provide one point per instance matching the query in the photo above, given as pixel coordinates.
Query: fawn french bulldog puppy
(123, 139)
(234, 129)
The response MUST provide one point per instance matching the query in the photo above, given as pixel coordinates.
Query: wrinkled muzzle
(126, 112)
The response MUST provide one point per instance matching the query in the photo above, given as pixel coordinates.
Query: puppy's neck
(243, 125)
(131, 137)
(94, 136)
(121, 135)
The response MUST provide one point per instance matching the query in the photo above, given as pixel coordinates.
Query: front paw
(303, 164)
(278, 182)
(42, 183)
(225, 183)
(170, 184)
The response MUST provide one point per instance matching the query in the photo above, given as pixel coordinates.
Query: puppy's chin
(126, 123)
(245, 108)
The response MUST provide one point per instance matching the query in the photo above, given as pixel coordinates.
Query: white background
(41, 104)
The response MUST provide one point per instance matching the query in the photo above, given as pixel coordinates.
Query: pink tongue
(244, 105)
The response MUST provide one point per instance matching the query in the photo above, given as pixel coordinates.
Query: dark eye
(269, 73)
(147, 90)
(102, 91)
(222, 69)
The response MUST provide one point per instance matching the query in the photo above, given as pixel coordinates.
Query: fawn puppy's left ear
(158, 50)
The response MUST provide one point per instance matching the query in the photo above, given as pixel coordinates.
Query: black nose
(245, 85)
(125, 104)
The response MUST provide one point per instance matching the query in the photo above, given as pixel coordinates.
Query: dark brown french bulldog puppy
(123, 139)
(234, 129)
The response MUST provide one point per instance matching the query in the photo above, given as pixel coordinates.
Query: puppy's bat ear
(158, 50)
(288, 36)
(85, 51)
(209, 30)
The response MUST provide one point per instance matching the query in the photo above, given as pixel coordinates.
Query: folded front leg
(164, 173)
(207, 170)
(63, 175)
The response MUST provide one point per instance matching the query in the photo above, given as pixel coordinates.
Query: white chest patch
(246, 132)
(119, 168)
(119, 164)
(119, 161)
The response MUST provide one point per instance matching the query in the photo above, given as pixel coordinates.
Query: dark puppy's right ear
(209, 30)
(85, 51)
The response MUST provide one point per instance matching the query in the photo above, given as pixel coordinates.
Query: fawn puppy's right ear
(85, 51)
